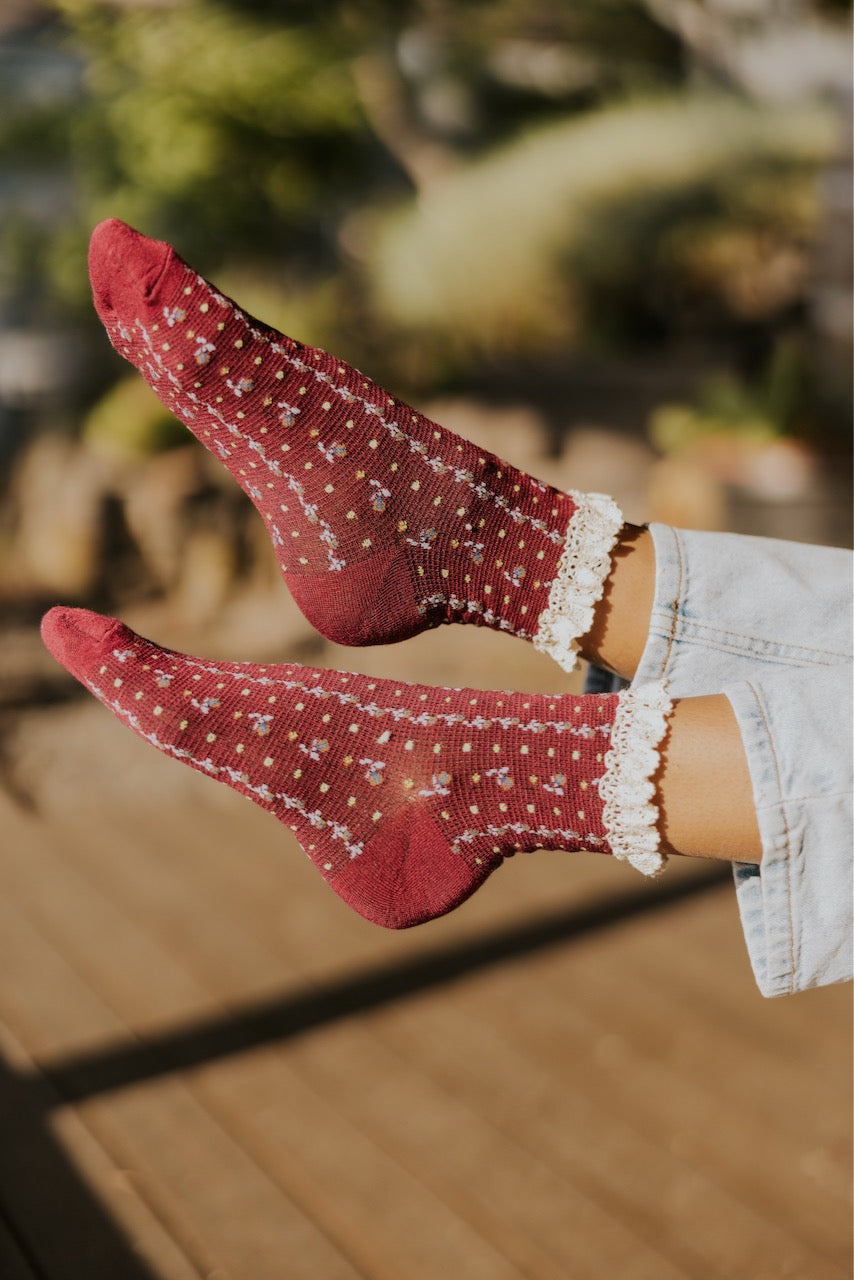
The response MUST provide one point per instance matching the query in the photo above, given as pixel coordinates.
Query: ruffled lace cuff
(580, 581)
(627, 788)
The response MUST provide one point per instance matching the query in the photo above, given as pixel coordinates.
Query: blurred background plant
(630, 212)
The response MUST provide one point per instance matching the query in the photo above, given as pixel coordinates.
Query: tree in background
(422, 185)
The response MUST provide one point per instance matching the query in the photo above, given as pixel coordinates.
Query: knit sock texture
(383, 522)
(404, 797)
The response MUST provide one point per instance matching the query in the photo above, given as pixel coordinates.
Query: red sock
(404, 797)
(383, 522)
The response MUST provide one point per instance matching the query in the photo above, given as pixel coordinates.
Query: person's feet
(383, 522)
(404, 797)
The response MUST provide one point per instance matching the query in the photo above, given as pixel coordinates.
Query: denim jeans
(769, 624)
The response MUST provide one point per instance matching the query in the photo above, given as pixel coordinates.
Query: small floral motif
(241, 387)
(556, 784)
(439, 785)
(475, 550)
(174, 315)
(374, 772)
(204, 350)
(205, 704)
(317, 748)
(332, 451)
(261, 723)
(289, 413)
(502, 777)
(163, 679)
(123, 654)
(425, 539)
(378, 498)
(516, 575)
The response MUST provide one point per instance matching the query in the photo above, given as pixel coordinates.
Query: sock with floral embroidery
(405, 797)
(384, 523)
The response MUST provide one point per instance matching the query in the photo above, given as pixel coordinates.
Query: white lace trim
(584, 565)
(629, 815)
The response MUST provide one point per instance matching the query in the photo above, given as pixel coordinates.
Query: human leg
(406, 797)
(768, 623)
(383, 522)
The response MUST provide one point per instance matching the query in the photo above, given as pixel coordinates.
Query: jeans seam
(831, 795)
(792, 663)
(770, 740)
(674, 605)
(701, 627)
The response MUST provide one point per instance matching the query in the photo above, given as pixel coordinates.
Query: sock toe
(124, 265)
(76, 637)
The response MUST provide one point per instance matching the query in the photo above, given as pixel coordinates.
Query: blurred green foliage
(129, 421)
(758, 410)
(422, 184)
(601, 225)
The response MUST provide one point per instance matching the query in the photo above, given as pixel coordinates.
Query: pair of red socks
(405, 797)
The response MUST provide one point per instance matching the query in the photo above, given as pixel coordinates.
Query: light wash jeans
(769, 624)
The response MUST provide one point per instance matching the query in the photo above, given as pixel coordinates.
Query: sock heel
(368, 603)
(408, 874)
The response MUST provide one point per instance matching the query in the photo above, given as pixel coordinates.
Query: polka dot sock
(404, 797)
(383, 522)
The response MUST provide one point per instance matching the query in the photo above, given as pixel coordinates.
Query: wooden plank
(581, 1234)
(395, 1219)
(640, 1012)
(227, 1088)
(585, 1240)
(667, 1027)
(651, 1183)
(52, 1171)
(555, 1024)
(726, 1043)
(219, 1207)
(13, 1263)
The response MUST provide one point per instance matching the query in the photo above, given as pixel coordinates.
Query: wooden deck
(212, 1068)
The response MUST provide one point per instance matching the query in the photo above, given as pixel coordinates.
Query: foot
(404, 797)
(384, 523)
